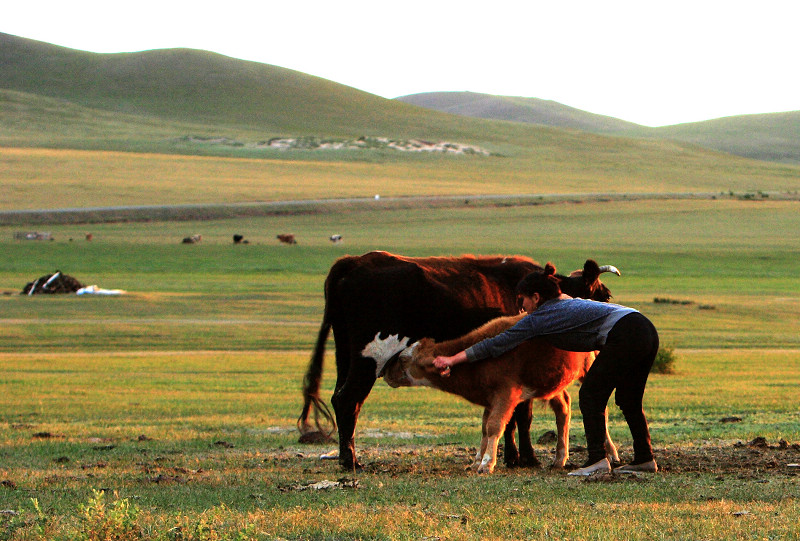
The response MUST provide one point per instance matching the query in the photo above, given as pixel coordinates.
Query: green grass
(210, 437)
(740, 281)
(180, 398)
(47, 179)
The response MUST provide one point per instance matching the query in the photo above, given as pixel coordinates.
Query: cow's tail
(324, 424)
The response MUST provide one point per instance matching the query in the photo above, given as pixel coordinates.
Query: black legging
(623, 364)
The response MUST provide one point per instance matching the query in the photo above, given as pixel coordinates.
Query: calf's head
(399, 364)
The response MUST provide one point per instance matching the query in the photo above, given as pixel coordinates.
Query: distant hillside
(192, 86)
(190, 102)
(770, 137)
(515, 109)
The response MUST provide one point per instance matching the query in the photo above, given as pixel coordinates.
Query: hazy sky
(653, 62)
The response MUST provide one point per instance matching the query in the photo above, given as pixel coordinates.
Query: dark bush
(665, 361)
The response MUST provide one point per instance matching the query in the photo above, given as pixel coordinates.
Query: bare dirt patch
(754, 460)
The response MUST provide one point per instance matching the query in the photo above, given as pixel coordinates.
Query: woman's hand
(443, 364)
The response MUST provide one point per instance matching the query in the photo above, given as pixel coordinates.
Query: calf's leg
(476, 464)
(495, 418)
(562, 407)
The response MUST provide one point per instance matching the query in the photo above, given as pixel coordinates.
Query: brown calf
(534, 369)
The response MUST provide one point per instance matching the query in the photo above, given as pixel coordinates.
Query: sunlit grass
(181, 397)
(734, 286)
(40, 178)
(209, 437)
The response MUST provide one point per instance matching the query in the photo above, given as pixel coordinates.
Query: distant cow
(287, 239)
(533, 370)
(437, 297)
(335, 238)
(237, 239)
(194, 239)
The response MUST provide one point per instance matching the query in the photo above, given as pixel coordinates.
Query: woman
(627, 341)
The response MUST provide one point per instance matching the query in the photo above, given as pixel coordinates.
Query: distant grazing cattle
(287, 239)
(335, 238)
(437, 297)
(194, 239)
(533, 370)
(237, 239)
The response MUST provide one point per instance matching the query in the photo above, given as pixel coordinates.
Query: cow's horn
(610, 268)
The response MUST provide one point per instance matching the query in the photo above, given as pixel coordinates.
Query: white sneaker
(644, 467)
(601, 466)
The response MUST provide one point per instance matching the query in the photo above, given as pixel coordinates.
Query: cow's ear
(549, 269)
(591, 271)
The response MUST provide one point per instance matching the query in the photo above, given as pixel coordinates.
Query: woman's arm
(489, 347)
(443, 363)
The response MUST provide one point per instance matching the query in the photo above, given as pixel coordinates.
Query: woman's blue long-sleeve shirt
(567, 323)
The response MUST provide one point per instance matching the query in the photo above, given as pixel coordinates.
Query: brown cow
(437, 297)
(533, 370)
(286, 238)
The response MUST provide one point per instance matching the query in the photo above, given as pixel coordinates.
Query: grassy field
(179, 399)
(57, 178)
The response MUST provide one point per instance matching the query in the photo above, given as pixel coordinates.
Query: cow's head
(586, 283)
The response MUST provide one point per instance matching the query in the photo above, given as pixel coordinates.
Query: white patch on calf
(407, 355)
(383, 350)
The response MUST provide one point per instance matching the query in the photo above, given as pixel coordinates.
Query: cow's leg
(562, 407)
(523, 416)
(611, 449)
(347, 401)
(510, 451)
(494, 423)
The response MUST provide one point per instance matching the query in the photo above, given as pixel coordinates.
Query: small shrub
(665, 361)
(102, 521)
(216, 524)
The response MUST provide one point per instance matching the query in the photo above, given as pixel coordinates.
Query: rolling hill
(770, 137)
(191, 86)
(517, 109)
(197, 103)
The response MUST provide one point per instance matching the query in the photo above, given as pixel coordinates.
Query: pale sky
(652, 62)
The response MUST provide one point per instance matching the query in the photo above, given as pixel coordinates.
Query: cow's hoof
(530, 463)
(351, 466)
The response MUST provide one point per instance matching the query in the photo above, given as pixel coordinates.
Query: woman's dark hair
(542, 282)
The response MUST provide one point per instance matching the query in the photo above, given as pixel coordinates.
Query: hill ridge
(765, 136)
